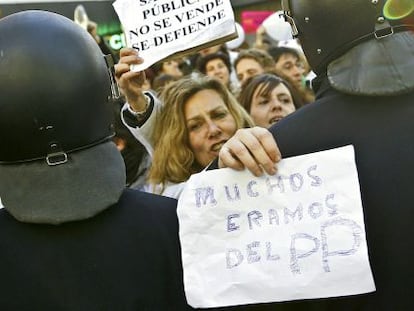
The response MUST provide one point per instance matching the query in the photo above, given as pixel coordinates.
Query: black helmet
(55, 88)
(328, 28)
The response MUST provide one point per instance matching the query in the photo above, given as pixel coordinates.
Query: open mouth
(275, 119)
(217, 147)
(221, 78)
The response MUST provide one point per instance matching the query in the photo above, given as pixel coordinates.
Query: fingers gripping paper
(162, 28)
(297, 235)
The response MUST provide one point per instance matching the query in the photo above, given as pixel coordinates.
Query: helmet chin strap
(111, 71)
(288, 18)
(383, 28)
(55, 154)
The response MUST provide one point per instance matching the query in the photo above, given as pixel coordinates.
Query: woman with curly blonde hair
(185, 131)
(198, 116)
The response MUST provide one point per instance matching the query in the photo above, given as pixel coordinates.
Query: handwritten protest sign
(161, 28)
(295, 235)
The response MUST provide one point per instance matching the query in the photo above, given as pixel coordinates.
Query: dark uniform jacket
(125, 258)
(382, 131)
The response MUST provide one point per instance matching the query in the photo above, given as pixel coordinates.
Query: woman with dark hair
(218, 66)
(268, 99)
(160, 73)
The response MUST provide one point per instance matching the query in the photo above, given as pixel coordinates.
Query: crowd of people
(76, 233)
(194, 104)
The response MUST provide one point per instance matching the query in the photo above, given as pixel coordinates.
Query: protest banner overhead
(161, 29)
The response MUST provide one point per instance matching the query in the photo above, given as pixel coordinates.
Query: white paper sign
(160, 28)
(299, 234)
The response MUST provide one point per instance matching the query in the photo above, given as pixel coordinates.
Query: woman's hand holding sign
(130, 82)
(253, 148)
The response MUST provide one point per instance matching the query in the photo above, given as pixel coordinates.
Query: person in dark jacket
(72, 237)
(363, 54)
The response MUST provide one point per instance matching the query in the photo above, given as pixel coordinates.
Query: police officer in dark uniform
(363, 54)
(72, 237)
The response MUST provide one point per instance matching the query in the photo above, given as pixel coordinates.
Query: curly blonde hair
(173, 160)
